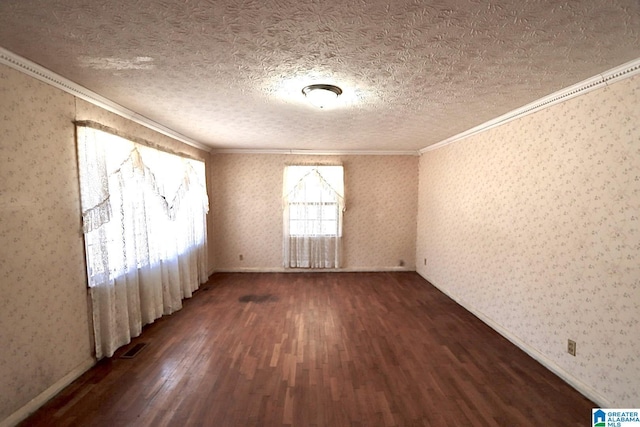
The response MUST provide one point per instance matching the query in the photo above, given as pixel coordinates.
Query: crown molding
(621, 72)
(36, 71)
(45, 75)
(314, 152)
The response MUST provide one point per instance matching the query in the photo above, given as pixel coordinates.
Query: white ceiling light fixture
(322, 95)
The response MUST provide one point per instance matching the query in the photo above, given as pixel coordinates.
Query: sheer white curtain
(144, 218)
(313, 199)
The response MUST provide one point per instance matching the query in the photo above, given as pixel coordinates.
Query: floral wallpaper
(45, 331)
(379, 223)
(44, 327)
(536, 225)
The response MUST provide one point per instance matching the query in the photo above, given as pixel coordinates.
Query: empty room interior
(319, 213)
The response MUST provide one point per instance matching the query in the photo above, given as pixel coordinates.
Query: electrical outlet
(571, 347)
(241, 257)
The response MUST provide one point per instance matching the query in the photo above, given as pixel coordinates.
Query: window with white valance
(144, 218)
(313, 198)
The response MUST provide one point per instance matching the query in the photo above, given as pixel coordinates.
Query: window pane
(313, 193)
(330, 228)
(295, 228)
(330, 212)
(311, 212)
(295, 211)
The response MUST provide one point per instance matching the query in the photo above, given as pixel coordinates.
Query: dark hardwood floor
(318, 349)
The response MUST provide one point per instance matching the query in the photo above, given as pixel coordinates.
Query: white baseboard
(584, 389)
(46, 395)
(310, 270)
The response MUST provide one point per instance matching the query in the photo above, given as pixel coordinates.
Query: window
(313, 218)
(144, 219)
(314, 202)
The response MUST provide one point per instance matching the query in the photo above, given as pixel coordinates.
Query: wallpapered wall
(44, 327)
(45, 332)
(379, 223)
(535, 225)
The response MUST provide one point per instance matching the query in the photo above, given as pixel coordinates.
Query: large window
(313, 206)
(144, 218)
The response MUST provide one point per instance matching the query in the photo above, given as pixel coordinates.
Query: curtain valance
(104, 155)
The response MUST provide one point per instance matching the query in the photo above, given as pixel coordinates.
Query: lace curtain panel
(144, 219)
(313, 198)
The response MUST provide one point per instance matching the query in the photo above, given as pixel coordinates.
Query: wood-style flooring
(318, 349)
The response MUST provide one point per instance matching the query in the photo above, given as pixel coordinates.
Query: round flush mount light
(322, 95)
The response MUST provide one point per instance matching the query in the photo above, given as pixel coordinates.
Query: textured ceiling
(229, 73)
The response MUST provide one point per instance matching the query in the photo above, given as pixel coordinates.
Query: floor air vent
(258, 298)
(133, 351)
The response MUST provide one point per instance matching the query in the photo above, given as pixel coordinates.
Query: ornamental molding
(624, 71)
(45, 75)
